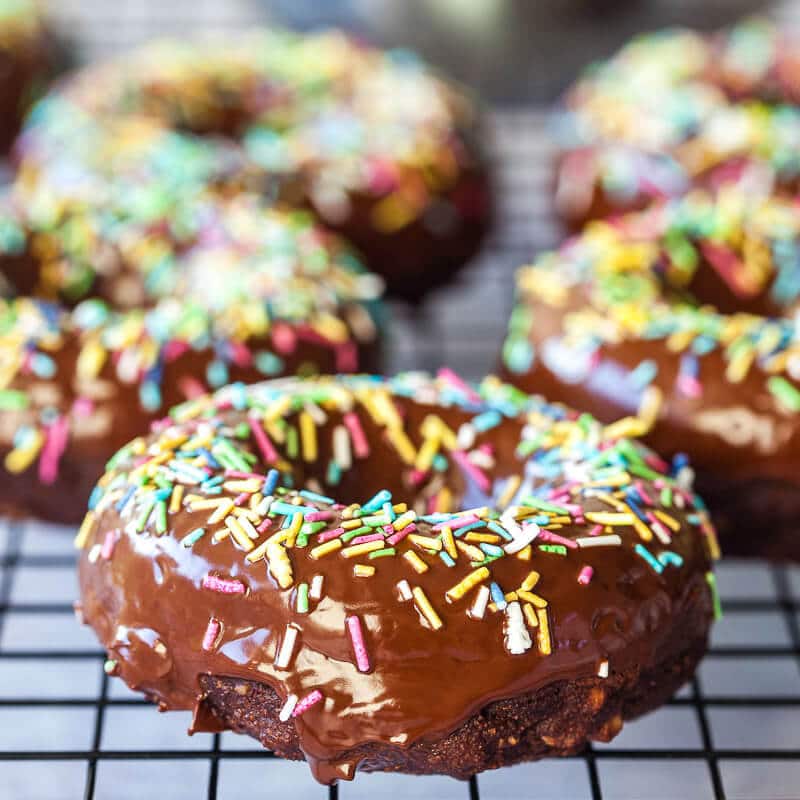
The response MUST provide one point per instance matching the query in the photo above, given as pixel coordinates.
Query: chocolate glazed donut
(683, 311)
(676, 109)
(283, 297)
(546, 559)
(383, 150)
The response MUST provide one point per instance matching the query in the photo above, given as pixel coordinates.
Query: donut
(687, 311)
(385, 152)
(26, 61)
(676, 109)
(307, 560)
(262, 292)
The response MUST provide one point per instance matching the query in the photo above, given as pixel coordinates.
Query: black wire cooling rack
(69, 731)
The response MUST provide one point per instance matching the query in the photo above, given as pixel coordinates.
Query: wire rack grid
(69, 731)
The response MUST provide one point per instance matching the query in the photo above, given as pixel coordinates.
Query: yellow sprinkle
(259, 552)
(361, 549)
(176, 498)
(532, 598)
(470, 551)
(222, 511)
(351, 524)
(308, 436)
(416, 562)
(427, 542)
(237, 487)
(650, 406)
(19, 459)
(510, 491)
(83, 533)
(294, 528)
(644, 532)
(363, 571)
(543, 632)
(280, 565)
(426, 453)
(404, 520)
(669, 521)
(626, 427)
(530, 615)
(609, 518)
(402, 444)
(530, 581)
(444, 501)
(91, 359)
(425, 608)
(449, 542)
(525, 553)
(325, 549)
(238, 533)
(466, 584)
(488, 538)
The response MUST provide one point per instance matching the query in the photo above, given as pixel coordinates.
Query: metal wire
(453, 333)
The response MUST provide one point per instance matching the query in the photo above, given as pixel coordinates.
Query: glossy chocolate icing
(150, 610)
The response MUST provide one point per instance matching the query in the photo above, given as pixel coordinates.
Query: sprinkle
(404, 590)
(359, 647)
(341, 448)
(212, 634)
(308, 437)
(642, 551)
(426, 609)
(85, 530)
(193, 537)
(543, 632)
(611, 539)
(109, 542)
(712, 584)
(284, 655)
(223, 585)
(585, 575)
(531, 579)
(238, 533)
(287, 711)
(467, 584)
(309, 700)
(280, 565)
(360, 549)
(498, 597)
(383, 552)
(602, 670)
(416, 562)
(322, 550)
(315, 592)
(517, 640)
(353, 425)
(478, 608)
(301, 603)
(363, 570)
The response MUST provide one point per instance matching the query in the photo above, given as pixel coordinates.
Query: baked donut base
(557, 720)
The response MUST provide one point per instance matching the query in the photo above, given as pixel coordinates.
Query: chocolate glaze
(150, 611)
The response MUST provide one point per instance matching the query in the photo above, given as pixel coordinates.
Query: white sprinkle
(288, 707)
(248, 526)
(517, 639)
(465, 437)
(341, 447)
(316, 413)
(478, 608)
(286, 650)
(315, 591)
(602, 670)
(599, 541)
(264, 505)
(404, 590)
(94, 553)
(522, 537)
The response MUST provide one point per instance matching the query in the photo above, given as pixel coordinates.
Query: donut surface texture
(687, 312)
(676, 109)
(372, 141)
(262, 293)
(311, 561)
(26, 61)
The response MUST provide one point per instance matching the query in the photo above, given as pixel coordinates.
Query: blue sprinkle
(648, 557)
(271, 481)
(373, 504)
(499, 597)
(446, 558)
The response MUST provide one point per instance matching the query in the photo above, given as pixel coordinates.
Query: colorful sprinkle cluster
(699, 101)
(225, 467)
(635, 277)
(124, 145)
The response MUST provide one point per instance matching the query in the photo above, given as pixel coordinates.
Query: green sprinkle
(13, 400)
(786, 394)
(346, 537)
(161, 516)
(193, 537)
(386, 551)
(712, 584)
(302, 598)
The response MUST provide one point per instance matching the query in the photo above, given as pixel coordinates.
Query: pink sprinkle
(268, 452)
(689, 386)
(596, 530)
(190, 387)
(318, 516)
(455, 524)
(332, 533)
(652, 460)
(398, 536)
(241, 499)
(174, 349)
(549, 536)
(53, 449)
(483, 483)
(211, 634)
(264, 525)
(240, 354)
(643, 493)
(416, 476)
(109, 543)
(585, 575)
(284, 339)
(235, 473)
(83, 406)
(359, 647)
(446, 374)
(353, 425)
(368, 537)
(346, 357)
(309, 700)
(222, 585)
